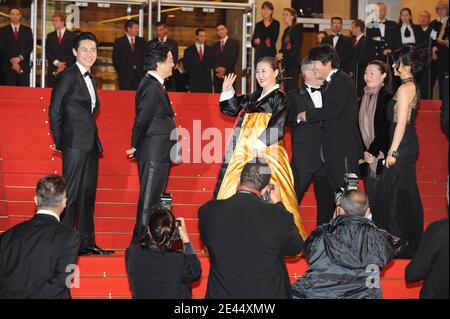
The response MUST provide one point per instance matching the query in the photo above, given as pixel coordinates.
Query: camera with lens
(350, 183)
(166, 201)
(266, 196)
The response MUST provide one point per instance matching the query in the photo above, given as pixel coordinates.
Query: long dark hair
(411, 56)
(400, 17)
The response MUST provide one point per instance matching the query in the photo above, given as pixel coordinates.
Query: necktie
(407, 33)
(313, 89)
(221, 45)
(200, 53)
(59, 37)
(132, 44)
(16, 33)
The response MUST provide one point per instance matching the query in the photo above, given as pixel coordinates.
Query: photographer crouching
(155, 270)
(346, 256)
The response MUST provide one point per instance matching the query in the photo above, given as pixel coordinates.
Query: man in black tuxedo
(362, 54)
(247, 240)
(197, 62)
(16, 41)
(38, 256)
(341, 43)
(151, 142)
(58, 47)
(128, 56)
(73, 107)
(342, 147)
(225, 56)
(308, 163)
(162, 36)
(378, 31)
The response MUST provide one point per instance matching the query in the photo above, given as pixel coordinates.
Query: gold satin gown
(263, 120)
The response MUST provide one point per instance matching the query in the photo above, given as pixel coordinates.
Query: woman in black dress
(398, 207)
(291, 45)
(266, 33)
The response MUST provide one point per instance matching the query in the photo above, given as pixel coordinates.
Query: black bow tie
(87, 74)
(313, 89)
(407, 33)
(380, 22)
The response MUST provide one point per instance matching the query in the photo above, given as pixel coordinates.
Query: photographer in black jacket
(155, 271)
(346, 256)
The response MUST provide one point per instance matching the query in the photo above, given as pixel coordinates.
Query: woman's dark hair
(84, 36)
(411, 56)
(156, 52)
(400, 17)
(267, 5)
(384, 69)
(293, 13)
(161, 225)
(274, 65)
(325, 53)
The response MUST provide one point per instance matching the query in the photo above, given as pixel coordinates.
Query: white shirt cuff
(298, 121)
(224, 96)
(55, 63)
(260, 145)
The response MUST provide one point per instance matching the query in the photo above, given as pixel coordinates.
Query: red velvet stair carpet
(25, 155)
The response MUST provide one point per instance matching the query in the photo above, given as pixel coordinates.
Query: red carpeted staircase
(25, 155)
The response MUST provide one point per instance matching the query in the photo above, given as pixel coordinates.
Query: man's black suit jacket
(199, 72)
(72, 121)
(10, 47)
(247, 240)
(339, 118)
(362, 54)
(228, 57)
(306, 137)
(154, 122)
(379, 43)
(61, 52)
(129, 64)
(344, 50)
(34, 257)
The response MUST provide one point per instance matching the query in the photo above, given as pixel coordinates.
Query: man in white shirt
(37, 256)
(307, 154)
(73, 108)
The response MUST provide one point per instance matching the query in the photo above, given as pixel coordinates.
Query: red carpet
(25, 155)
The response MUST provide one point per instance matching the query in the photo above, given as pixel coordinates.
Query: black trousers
(153, 180)
(323, 189)
(129, 82)
(11, 77)
(370, 186)
(80, 170)
(217, 83)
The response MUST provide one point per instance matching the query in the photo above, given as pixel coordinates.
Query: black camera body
(266, 196)
(166, 201)
(350, 183)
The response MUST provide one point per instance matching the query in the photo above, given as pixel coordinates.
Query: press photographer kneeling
(346, 256)
(155, 270)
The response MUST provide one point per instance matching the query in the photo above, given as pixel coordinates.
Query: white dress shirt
(316, 97)
(156, 76)
(335, 39)
(89, 85)
(411, 39)
(224, 40)
(163, 40)
(48, 212)
(130, 38)
(198, 46)
(382, 27)
(333, 71)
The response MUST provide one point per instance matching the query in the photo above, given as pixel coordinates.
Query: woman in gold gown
(259, 132)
